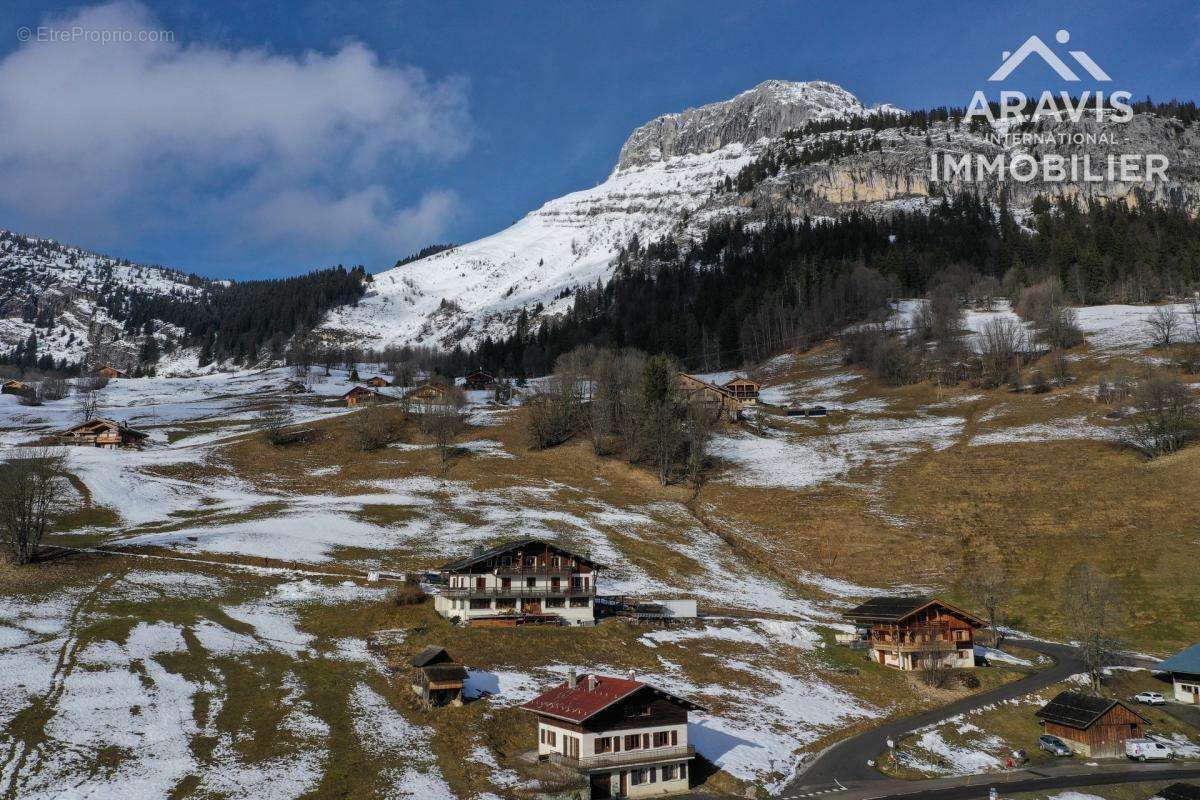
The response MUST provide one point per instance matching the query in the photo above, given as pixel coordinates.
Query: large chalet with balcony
(629, 738)
(916, 632)
(528, 581)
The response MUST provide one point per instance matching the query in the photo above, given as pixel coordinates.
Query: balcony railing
(650, 755)
(565, 590)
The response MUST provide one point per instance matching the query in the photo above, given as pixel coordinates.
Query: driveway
(844, 764)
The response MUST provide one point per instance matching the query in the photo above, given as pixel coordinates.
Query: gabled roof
(1187, 661)
(741, 379)
(591, 695)
(897, 609)
(1077, 710)
(100, 423)
(509, 547)
(430, 655)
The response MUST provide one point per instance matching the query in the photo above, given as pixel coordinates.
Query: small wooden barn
(479, 380)
(100, 432)
(107, 371)
(14, 386)
(437, 677)
(743, 389)
(1095, 727)
(379, 382)
(361, 394)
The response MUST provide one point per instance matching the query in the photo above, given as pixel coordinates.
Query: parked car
(1149, 698)
(1053, 745)
(1147, 750)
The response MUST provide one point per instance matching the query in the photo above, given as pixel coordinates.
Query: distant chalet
(360, 395)
(628, 737)
(107, 371)
(438, 677)
(105, 433)
(528, 581)
(428, 394)
(743, 389)
(379, 382)
(1094, 727)
(479, 381)
(696, 390)
(913, 632)
(15, 386)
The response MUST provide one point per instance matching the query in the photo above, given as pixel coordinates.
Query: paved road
(845, 763)
(896, 790)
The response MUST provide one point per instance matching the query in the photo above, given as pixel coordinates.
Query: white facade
(958, 658)
(1187, 688)
(647, 762)
(482, 595)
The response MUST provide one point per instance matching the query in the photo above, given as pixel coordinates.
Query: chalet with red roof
(628, 737)
(528, 581)
(915, 632)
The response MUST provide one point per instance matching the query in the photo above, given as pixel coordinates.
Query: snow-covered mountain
(69, 299)
(667, 171)
(670, 178)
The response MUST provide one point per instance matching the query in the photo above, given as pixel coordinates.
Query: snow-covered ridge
(767, 110)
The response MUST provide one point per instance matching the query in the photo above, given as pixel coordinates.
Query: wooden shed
(107, 371)
(427, 395)
(101, 432)
(743, 389)
(379, 382)
(1095, 727)
(437, 677)
(14, 386)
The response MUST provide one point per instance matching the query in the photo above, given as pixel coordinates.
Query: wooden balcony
(564, 590)
(626, 758)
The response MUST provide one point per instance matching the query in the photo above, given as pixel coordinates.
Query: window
(506, 583)
(556, 561)
(637, 711)
(580, 602)
(662, 738)
(555, 602)
(505, 561)
(531, 561)
(633, 742)
(530, 582)
(682, 772)
(653, 774)
(603, 744)
(669, 772)
(551, 737)
(640, 776)
(479, 604)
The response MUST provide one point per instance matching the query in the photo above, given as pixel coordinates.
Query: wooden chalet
(523, 582)
(1094, 727)
(696, 390)
(428, 394)
(14, 386)
(1184, 668)
(629, 738)
(100, 432)
(107, 371)
(479, 381)
(743, 389)
(913, 632)
(361, 394)
(379, 382)
(437, 677)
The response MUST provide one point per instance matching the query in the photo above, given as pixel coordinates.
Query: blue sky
(268, 139)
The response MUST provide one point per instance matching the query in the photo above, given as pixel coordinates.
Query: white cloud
(262, 145)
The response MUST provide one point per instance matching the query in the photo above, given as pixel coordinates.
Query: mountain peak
(768, 109)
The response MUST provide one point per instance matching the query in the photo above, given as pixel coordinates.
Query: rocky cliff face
(767, 110)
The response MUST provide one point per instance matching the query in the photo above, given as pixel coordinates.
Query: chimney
(629, 675)
(593, 682)
(572, 680)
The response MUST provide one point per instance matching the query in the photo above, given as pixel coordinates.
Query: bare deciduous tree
(33, 488)
(88, 403)
(1001, 343)
(1166, 416)
(699, 423)
(989, 585)
(445, 422)
(1164, 326)
(375, 425)
(1091, 604)
(274, 424)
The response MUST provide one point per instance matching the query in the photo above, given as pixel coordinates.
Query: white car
(1147, 750)
(1149, 698)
